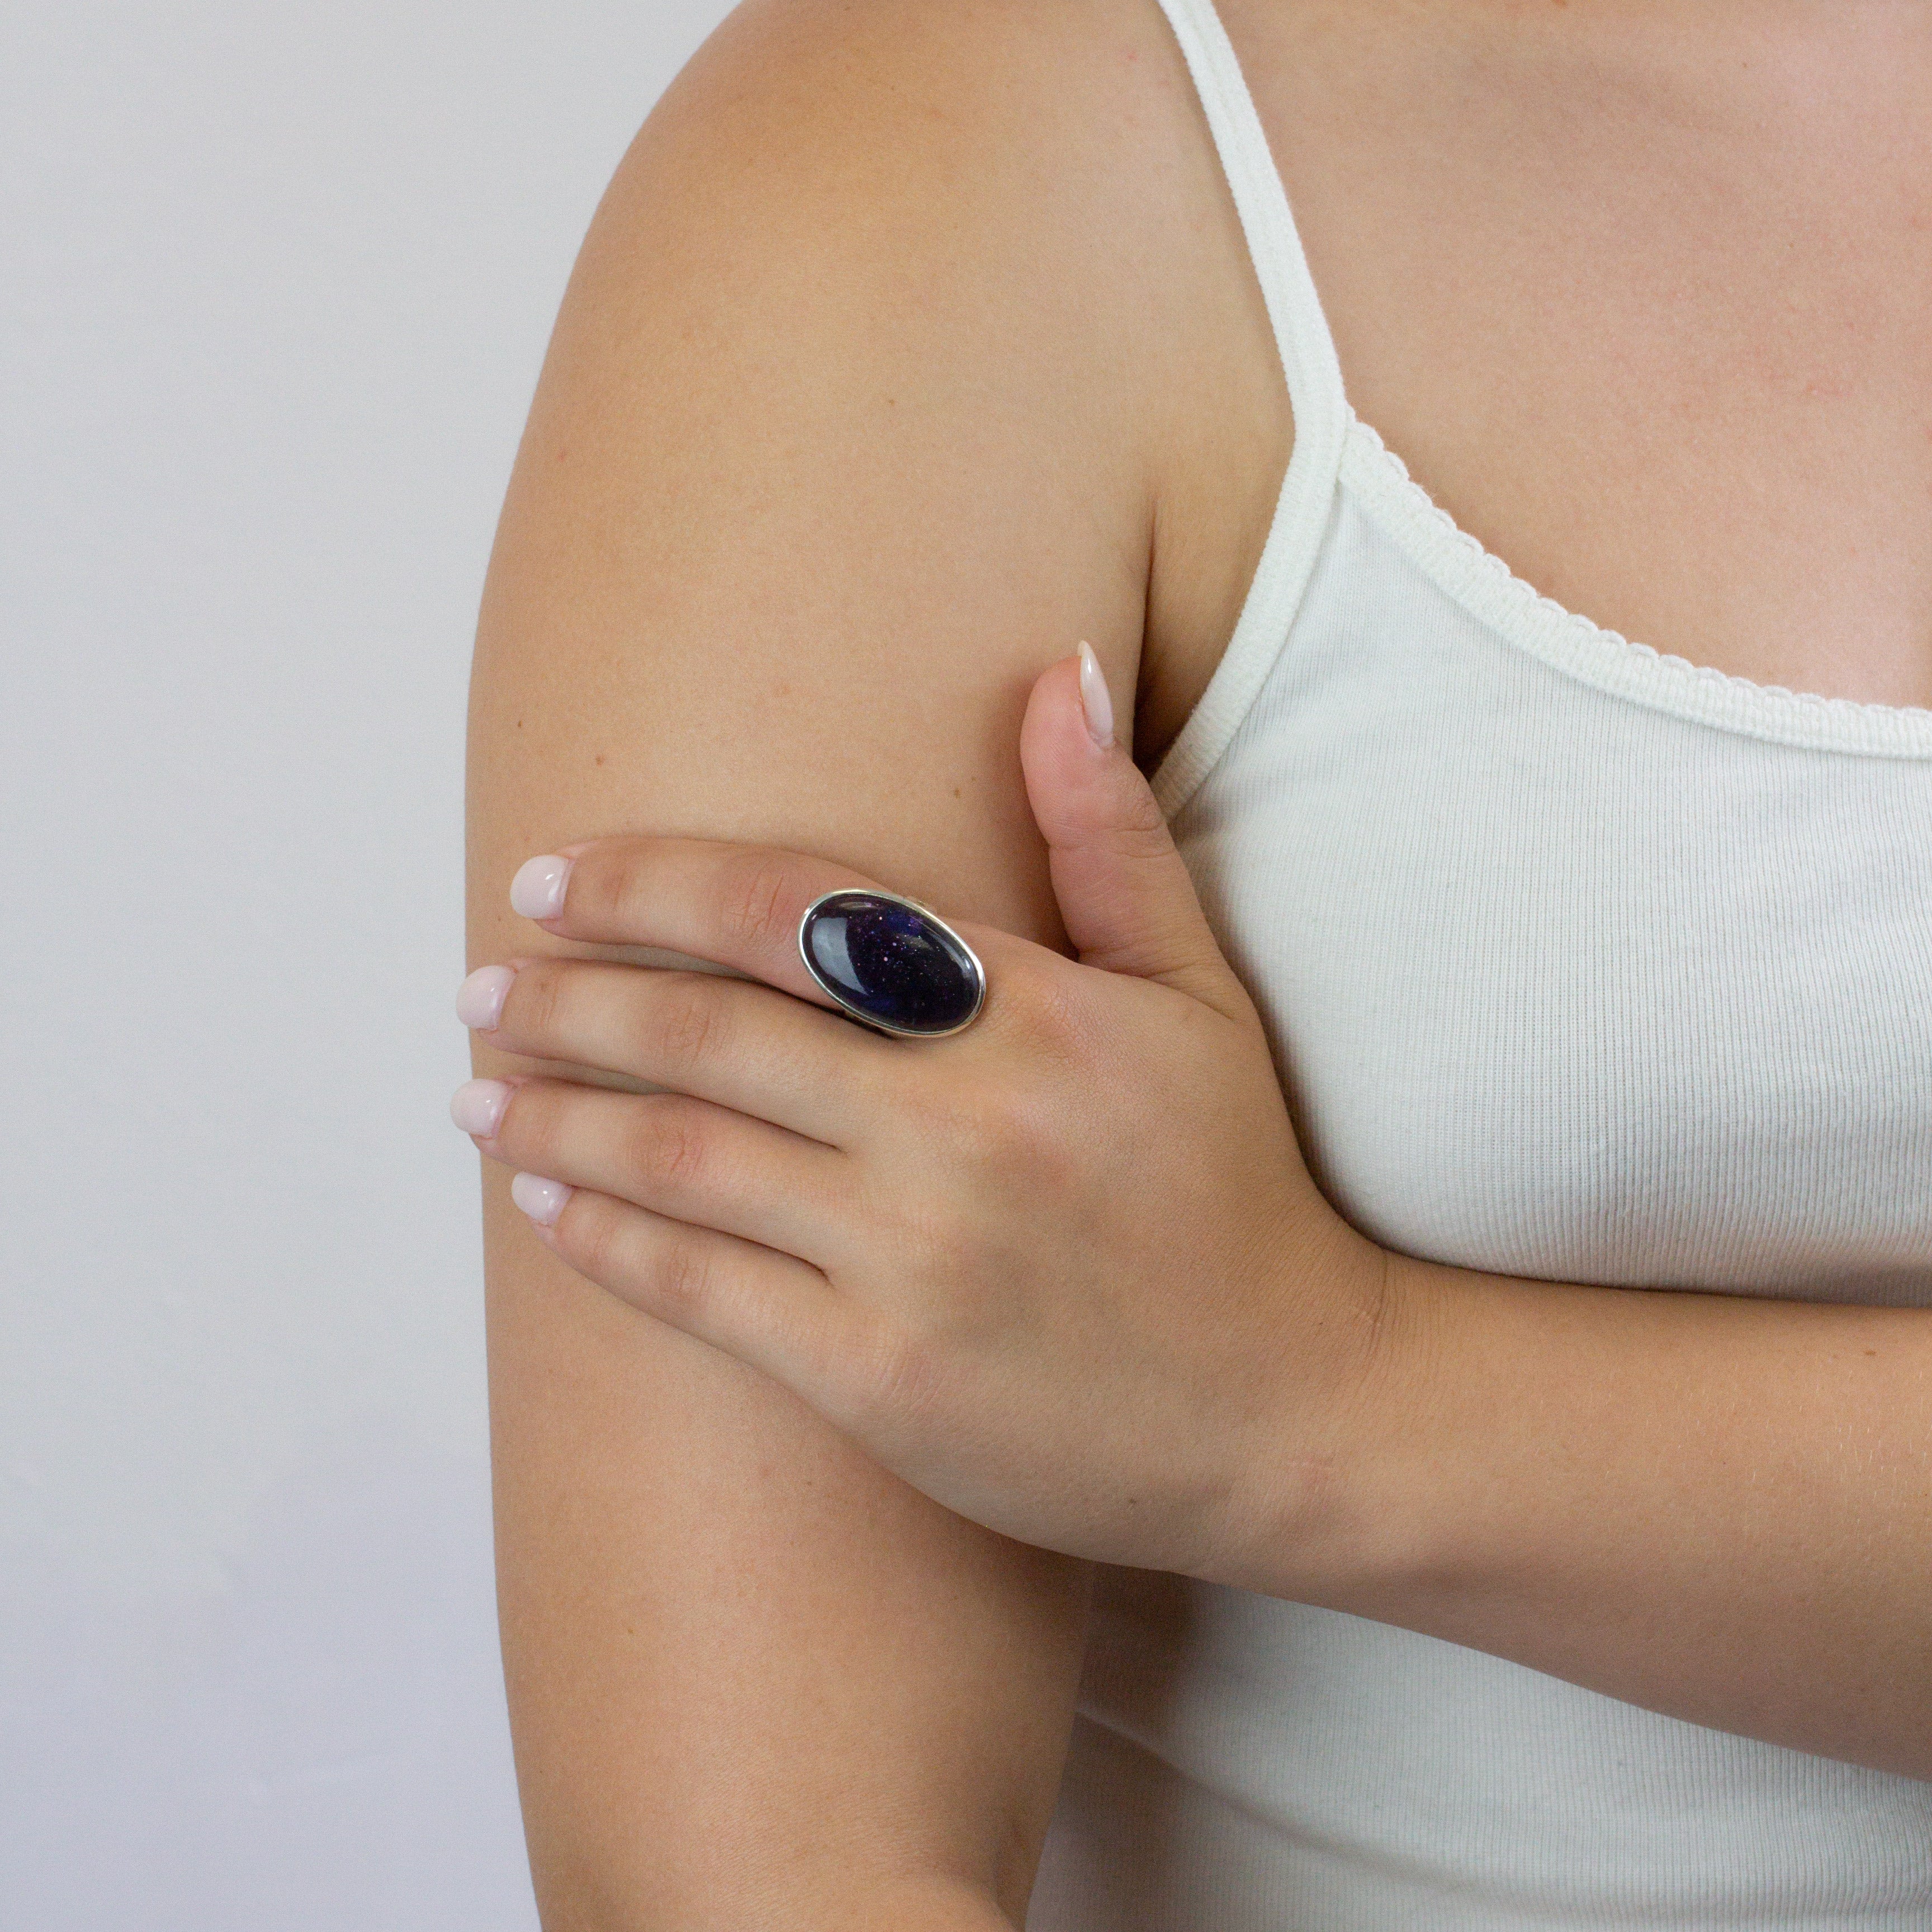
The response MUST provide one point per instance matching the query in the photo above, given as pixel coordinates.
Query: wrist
(1326, 1509)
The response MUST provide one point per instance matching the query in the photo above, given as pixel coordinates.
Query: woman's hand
(1064, 1271)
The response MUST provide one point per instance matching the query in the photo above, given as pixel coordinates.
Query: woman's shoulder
(991, 155)
(1016, 199)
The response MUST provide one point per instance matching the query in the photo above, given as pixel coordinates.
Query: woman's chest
(1647, 311)
(1565, 986)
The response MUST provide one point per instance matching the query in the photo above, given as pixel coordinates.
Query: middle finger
(742, 1045)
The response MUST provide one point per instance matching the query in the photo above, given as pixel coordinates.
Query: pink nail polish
(543, 1201)
(537, 891)
(479, 999)
(477, 1106)
(1094, 699)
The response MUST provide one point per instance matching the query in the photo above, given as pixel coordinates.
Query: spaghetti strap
(1300, 330)
(1315, 394)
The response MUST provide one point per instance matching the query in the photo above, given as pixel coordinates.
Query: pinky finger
(772, 1311)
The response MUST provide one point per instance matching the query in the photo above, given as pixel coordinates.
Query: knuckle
(588, 1232)
(897, 1378)
(1009, 1141)
(668, 1143)
(994, 1125)
(1049, 1161)
(965, 1119)
(756, 894)
(687, 1028)
(1043, 1007)
(1142, 829)
(680, 1272)
(535, 996)
(604, 882)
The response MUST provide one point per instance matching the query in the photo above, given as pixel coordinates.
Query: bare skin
(828, 452)
(1642, 293)
(754, 1680)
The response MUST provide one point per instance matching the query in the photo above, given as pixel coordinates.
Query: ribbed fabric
(1580, 963)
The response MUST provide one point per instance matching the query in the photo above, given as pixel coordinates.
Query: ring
(891, 964)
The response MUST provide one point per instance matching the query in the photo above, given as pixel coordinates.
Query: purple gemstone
(889, 962)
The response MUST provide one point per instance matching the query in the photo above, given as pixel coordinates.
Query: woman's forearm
(1717, 1508)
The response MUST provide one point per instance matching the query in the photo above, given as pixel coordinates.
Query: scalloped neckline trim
(1485, 585)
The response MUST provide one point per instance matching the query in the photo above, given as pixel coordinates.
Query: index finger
(736, 905)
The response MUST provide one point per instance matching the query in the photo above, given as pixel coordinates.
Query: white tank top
(1579, 963)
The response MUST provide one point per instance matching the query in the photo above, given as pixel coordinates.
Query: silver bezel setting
(871, 1020)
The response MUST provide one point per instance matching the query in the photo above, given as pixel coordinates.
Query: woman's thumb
(1126, 900)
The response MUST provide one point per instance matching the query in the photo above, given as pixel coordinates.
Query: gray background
(275, 281)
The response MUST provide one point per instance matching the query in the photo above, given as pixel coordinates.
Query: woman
(1148, 1459)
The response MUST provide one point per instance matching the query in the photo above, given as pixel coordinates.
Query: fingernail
(537, 891)
(477, 1106)
(479, 999)
(1094, 699)
(543, 1201)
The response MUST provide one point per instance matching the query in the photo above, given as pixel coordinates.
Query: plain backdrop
(275, 282)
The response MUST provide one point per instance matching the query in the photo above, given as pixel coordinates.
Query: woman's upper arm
(829, 460)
